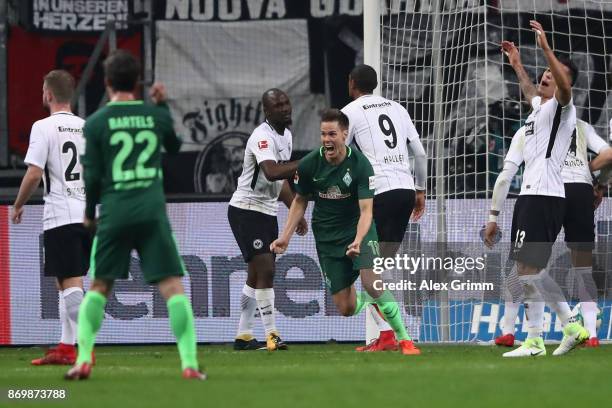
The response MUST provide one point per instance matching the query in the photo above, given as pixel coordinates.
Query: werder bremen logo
(334, 193)
(347, 179)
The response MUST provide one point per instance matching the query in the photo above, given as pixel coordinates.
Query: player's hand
(302, 227)
(508, 48)
(158, 93)
(489, 234)
(354, 249)
(419, 206)
(540, 35)
(598, 192)
(16, 215)
(89, 224)
(279, 246)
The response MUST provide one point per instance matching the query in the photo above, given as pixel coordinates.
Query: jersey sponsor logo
(334, 193)
(529, 128)
(262, 144)
(258, 244)
(63, 129)
(376, 105)
(347, 179)
(371, 183)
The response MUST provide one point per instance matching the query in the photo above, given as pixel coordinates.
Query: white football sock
(508, 322)
(587, 293)
(378, 319)
(248, 304)
(265, 303)
(553, 295)
(68, 335)
(534, 307)
(73, 297)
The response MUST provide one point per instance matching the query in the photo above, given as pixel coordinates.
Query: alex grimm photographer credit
(313, 203)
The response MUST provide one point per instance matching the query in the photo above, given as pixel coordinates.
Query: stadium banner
(245, 10)
(216, 100)
(77, 16)
(69, 52)
(136, 313)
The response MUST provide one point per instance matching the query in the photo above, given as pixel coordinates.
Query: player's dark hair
(364, 77)
(61, 84)
(122, 70)
(335, 115)
(565, 60)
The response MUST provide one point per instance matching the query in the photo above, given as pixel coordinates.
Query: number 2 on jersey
(127, 145)
(69, 146)
(386, 126)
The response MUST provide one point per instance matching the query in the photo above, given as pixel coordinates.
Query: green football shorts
(154, 242)
(342, 271)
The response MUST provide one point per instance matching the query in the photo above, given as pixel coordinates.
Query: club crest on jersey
(334, 193)
(258, 244)
(347, 179)
(262, 144)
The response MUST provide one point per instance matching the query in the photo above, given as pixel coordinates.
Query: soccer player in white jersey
(383, 131)
(540, 209)
(56, 144)
(581, 198)
(252, 215)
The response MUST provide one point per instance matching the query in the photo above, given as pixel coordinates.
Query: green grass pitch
(321, 376)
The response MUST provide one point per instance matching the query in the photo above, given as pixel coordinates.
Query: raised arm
(557, 69)
(514, 58)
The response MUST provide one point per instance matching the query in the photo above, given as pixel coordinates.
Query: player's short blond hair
(61, 84)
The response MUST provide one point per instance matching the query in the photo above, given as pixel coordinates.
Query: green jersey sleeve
(93, 168)
(303, 177)
(365, 178)
(172, 143)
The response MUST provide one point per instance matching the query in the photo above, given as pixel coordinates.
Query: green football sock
(363, 299)
(181, 321)
(389, 307)
(91, 315)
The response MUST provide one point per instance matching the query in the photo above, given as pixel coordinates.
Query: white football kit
(255, 192)
(56, 144)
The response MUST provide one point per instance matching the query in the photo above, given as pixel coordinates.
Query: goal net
(441, 59)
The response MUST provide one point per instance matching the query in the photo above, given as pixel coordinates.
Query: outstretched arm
(278, 171)
(557, 69)
(514, 58)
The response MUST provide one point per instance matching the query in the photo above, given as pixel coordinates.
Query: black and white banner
(77, 15)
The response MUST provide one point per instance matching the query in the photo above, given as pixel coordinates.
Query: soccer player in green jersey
(122, 170)
(341, 183)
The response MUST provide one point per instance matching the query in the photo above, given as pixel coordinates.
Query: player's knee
(171, 286)
(101, 286)
(346, 309)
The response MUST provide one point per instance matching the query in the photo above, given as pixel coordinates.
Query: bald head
(277, 108)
